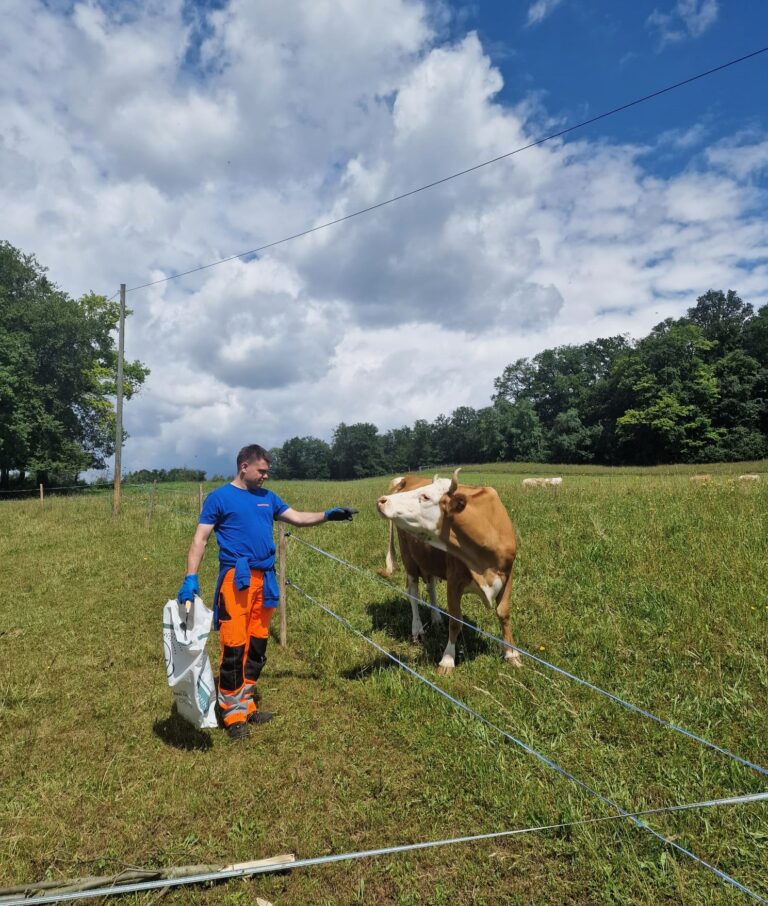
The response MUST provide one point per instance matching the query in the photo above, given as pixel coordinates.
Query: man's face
(255, 473)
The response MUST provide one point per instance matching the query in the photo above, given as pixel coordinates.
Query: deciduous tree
(58, 365)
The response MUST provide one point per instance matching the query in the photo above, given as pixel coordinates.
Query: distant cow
(542, 482)
(700, 479)
(471, 525)
(751, 476)
(420, 561)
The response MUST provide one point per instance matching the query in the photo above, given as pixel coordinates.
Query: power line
(445, 179)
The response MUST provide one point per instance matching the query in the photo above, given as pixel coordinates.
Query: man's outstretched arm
(298, 518)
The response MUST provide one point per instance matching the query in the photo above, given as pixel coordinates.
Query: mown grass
(644, 583)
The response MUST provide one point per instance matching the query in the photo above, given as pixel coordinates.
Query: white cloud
(540, 9)
(686, 19)
(743, 160)
(126, 164)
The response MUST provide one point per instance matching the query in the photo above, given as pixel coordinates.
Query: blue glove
(189, 588)
(340, 514)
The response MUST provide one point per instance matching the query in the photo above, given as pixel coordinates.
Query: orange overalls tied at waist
(243, 634)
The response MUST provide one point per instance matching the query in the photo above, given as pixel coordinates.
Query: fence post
(41, 493)
(200, 497)
(119, 405)
(152, 494)
(281, 583)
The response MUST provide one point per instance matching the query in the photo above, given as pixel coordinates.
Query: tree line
(147, 476)
(694, 390)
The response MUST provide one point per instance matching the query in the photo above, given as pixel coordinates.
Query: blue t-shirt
(242, 521)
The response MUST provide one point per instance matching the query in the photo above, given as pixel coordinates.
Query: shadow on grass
(394, 618)
(365, 670)
(179, 733)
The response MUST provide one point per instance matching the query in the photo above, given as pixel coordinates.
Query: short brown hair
(250, 454)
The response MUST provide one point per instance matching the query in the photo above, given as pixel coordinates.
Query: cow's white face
(418, 511)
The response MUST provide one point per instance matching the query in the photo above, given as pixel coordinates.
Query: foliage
(302, 457)
(58, 366)
(356, 451)
(146, 476)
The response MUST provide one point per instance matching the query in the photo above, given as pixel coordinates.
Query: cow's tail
(391, 558)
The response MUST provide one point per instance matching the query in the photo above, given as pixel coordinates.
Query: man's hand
(189, 588)
(340, 514)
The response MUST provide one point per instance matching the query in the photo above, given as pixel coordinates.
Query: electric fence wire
(68, 488)
(724, 876)
(241, 872)
(444, 179)
(539, 660)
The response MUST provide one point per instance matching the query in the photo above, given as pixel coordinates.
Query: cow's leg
(448, 661)
(417, 628)
(437, 617)
(502, 612)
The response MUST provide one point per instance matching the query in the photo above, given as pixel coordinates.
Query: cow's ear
(456, 504)
(397, 484)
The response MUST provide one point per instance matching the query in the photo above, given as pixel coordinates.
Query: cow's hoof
(444, 669)
(513, 658)
(418, 638)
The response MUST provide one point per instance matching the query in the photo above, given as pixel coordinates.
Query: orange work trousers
(243, 634)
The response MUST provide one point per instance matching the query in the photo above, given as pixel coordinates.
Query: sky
(143, 139)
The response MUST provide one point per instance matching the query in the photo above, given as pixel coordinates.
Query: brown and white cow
(420, 561)
(471, 525)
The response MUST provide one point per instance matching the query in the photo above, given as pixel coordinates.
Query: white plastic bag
(186, 661)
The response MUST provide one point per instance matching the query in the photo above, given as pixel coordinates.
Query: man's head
(253, 466)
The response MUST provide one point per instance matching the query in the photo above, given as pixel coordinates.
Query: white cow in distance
(542, 482)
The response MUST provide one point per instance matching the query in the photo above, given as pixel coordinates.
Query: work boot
(237, 731)
(259, 717)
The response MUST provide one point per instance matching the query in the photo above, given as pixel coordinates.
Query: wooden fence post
(152, 494)
(281, 582)
(200, 497)
(41, 493)
(119, 405)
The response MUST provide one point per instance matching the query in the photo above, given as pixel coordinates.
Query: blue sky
(587, 56)
(145, 139)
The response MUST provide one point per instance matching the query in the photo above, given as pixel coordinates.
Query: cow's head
(420, 511)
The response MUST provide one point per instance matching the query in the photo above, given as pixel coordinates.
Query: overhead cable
(444, 179)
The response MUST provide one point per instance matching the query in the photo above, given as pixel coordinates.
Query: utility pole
(119, 408)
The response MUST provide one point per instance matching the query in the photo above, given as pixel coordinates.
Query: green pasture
(645, 583)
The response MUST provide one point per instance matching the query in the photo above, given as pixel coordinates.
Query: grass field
(641, 581)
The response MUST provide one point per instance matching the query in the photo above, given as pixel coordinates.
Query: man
(242, 514)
